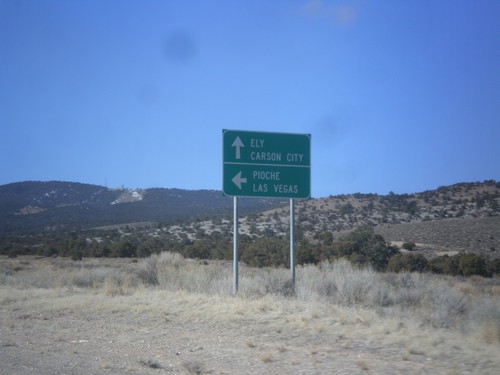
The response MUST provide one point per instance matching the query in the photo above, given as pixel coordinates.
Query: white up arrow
(238, 144)
(238, 180)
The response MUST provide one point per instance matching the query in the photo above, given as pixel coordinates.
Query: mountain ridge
(27, 203)
(439, 220)
(41, 205)
(70, 218)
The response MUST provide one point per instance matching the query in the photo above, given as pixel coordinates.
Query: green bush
(437, 264)
(472, 264)
(451, 266)
(197, 249)
(494, 267)
(408, 263)
(307, 253)
(123, 249)
(363, 247)
(410, 246)
(465, 264)
(262, 252)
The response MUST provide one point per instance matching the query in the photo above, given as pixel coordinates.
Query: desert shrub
(408, 263)
(90, 277)
(266, 280)
(466, 264)
(113, 280)
(148, 247)
(449, 306)
(444, 265)
(494, 267)
(346, 209)
(325, 237)
(358, 259)
(171, 271)
(437, 264)
(49, 251)
(263, 252)
(76, 254)
(451, 265)
(363, 247)
(472, 264)
(120, 284)
(307, 253)
(123, 249)
(410, 246)
(149, 269)
(198, 249)
(408, 289)
(411, 208)
(339, 282)
(429, 296)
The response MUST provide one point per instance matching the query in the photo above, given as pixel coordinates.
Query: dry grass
(425, 316)
(437, 301)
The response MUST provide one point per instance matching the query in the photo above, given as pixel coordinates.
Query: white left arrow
(238, 144)
(238, 180)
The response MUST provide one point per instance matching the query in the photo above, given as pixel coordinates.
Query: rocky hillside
(460, 218)
(54, 205)
(344, 212)
(448, 236)
(94, 220)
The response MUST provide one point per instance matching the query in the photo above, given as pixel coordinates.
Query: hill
(34, 206)
(464, 217)
(62, 218)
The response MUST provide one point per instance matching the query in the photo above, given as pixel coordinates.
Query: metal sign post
(264, 164)
(292, 243)
(235, 245)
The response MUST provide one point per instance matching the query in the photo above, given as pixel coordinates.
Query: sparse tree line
(362, 247)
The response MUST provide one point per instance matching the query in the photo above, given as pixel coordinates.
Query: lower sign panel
(266, 181)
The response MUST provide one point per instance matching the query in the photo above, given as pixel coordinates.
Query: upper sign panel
(267, 148)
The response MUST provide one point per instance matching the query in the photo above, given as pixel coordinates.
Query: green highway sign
(264, 164)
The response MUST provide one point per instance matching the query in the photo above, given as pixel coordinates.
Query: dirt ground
(49, 326)
(151, 332)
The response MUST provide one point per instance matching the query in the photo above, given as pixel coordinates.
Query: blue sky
(399, 96)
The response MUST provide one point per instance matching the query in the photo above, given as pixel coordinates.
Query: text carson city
(272, 156)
